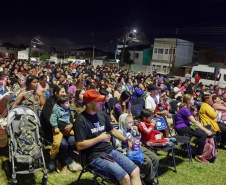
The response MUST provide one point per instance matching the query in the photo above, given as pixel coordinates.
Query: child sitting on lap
(60, 120)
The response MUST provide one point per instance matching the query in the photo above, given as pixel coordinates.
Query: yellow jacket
(208, 116)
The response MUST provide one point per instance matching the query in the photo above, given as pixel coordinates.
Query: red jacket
(148, 133)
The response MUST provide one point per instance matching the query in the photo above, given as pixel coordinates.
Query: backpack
(209, 151)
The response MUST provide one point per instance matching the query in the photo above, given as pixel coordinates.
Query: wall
(23, 55)
(141, 68)
(137, 61)
(147, 56)
(166, 44)
(184, 53)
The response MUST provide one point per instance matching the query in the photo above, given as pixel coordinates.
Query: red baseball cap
(92, 95)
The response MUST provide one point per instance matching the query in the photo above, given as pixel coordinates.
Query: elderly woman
(184, 122)
(37, 97)
(208, 117)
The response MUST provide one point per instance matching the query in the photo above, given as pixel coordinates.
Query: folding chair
(173, 107)
(182, 139)
(161, 124)
(139, 100)
(87, 168)
(113, 102)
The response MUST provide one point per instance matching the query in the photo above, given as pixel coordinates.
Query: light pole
(128, 38)
(34, 40)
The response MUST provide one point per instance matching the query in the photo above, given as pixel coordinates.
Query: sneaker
(74, 167)
(63, 170)
(58, 166)
(201, 159)
(52, 164)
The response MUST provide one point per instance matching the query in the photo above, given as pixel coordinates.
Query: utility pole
(123, 49)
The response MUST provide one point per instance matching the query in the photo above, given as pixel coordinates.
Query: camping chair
(136, 110)
(173, 107)
(87, 168)
(161, 124)
(182, 139)
(139, 100)
(113, 102)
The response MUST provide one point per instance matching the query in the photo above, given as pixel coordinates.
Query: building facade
(171, 53)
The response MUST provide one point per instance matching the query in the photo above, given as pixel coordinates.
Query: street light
(34, 40)
(129, 36)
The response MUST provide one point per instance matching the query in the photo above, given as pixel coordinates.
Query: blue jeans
(114, 170)
(66, 149)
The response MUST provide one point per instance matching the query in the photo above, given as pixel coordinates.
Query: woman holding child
(67, 143)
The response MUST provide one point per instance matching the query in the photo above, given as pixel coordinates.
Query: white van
(207, 75)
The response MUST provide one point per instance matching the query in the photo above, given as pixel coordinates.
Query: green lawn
(187, 173)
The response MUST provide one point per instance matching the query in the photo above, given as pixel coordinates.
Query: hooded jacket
(59, 114)
(128, 133)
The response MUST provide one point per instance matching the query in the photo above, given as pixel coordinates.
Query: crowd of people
(73, 104)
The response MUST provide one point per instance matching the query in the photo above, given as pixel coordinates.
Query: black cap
(152, 87)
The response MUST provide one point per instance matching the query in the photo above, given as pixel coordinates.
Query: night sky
(74, 24)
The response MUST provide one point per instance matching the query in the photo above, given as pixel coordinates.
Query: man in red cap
(91, 136)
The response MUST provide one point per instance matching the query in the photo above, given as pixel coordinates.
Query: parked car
(168, 77)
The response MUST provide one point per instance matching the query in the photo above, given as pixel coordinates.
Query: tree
(126, 57)
(44, 57)
(35, 53)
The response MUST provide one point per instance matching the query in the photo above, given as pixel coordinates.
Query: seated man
(91, 128)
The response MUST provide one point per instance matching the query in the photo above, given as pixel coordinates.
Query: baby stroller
(25, 148)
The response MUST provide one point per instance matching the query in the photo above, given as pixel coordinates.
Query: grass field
(187, 173)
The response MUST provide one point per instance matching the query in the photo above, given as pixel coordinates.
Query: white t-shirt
(150, 103)
(179, 93)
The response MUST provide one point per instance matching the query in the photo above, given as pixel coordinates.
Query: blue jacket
(59, 114)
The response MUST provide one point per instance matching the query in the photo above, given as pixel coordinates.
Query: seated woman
(183, 126)
(106, 106)
(208, 117)
(77, 106)
(67, 143)
(47, 111)
(124, 105)
(21, 85)
(44, 86)
(219, 105)
(37, 97)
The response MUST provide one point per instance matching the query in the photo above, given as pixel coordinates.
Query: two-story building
(171, 53)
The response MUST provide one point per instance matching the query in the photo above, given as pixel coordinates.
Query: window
(166, 51)
(159, 68)
(156, 50)
(164, 69)
(224, 77)
(153, 68)
(160, 51)
(136, 55)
